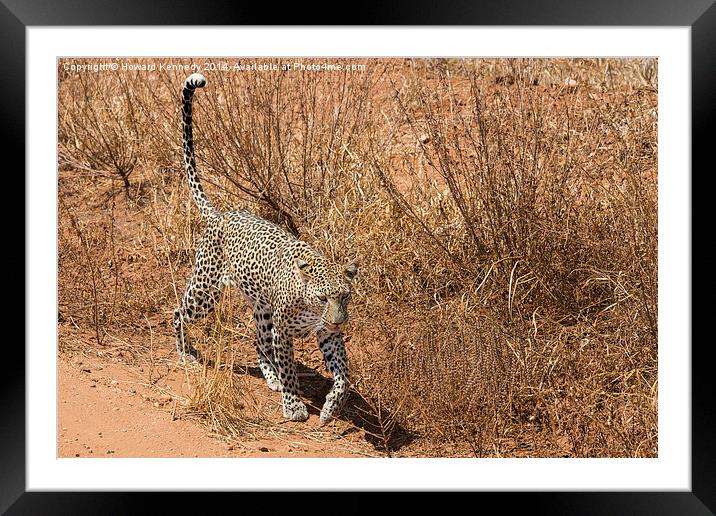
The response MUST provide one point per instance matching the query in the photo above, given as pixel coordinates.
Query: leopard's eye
(322, 298)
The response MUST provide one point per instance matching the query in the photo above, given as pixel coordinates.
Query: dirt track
(109, 407)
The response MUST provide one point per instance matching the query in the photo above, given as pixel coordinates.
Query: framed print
(465, 244)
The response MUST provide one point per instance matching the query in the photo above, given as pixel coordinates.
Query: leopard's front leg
(334, 353)
(293, 407)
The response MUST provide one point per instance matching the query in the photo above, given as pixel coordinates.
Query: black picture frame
(16, 15)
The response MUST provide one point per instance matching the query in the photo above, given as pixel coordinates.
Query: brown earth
(107, 407)
(114, 404)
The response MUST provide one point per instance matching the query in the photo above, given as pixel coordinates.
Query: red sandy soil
(108, 407)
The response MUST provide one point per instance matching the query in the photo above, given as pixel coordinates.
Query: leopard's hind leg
(263, 317)
(293, 406)
(202, 292)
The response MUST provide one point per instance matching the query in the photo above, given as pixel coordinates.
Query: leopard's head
(328, 288)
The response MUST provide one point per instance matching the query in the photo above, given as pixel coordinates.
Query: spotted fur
(294, 290)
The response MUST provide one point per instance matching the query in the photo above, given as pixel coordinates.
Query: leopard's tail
(195, 80)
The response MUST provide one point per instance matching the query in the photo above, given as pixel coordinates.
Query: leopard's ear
(351, 269)
(302, 267)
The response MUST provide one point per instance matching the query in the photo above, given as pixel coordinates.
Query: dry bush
(98, 126)
(220, 397)
(534, 234)
(93, 289)
(503, 211)
(281, 142)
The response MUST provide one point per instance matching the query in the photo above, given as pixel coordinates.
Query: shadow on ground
(356, 411)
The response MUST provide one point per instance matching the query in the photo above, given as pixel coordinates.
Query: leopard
(293, 289)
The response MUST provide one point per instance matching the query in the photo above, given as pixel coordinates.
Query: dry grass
(503, 211)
